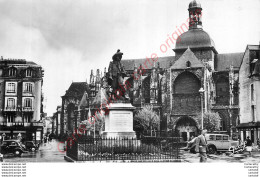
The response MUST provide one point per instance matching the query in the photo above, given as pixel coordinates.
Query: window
(10, 103)
(27, 102)
(28, 73)
(27, 117)
(211, 137)
(188, 64)
(28, 87)
(253, 56)
(11, 88)
(252, 92)
(225, 137)
(10, 118)
(253, 113)
(12, 72)
(218, 137)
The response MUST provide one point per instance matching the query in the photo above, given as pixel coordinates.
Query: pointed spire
(97, 76)
(91, 80)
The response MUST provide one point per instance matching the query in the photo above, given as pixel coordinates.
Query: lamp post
(201, 91)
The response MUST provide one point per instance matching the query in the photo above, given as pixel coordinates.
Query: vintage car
(31, 146)
(219, 142)
(12, 146)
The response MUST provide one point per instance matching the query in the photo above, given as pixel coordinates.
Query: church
(196, 79)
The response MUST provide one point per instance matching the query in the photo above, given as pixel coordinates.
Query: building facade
(196, 79)
(57, 122)
(21, 99)
(249, 84)
(172, 84)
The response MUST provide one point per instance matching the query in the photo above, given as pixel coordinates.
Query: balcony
(28, 109)
(17, 124)
(21, 124)
(10, 109)
(37, 124)
(27, 124)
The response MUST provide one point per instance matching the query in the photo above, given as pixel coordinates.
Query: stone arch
(186, 83)
(146, 89)
(224, 120)
(186, 127)
(70, 116)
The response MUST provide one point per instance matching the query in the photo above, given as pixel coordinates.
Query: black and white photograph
(159, 86)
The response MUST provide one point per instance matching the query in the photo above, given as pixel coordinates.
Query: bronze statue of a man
(115, 77)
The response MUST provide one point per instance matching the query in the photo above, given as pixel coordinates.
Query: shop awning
(249, 125)
(19, 131)
(2, 131)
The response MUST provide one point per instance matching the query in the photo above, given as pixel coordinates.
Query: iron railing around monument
(107, 149)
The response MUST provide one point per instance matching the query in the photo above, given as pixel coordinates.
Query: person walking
(249, 145)
(201, 146)
(258, 143)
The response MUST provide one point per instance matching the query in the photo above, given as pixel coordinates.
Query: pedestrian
(201, 146)
(248, 145)
(45, 139)
(258, 143)
(50, 137)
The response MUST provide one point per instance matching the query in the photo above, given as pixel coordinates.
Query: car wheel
(212, 149)
(33, 149)
(17, 153)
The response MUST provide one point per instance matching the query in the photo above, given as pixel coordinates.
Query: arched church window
(186, 83)
(146, 89)
(222, 91)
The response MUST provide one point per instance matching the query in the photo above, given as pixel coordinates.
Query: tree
(211, 121)
(98, 121)
(147, 119)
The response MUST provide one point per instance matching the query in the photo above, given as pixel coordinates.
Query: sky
(68, 38)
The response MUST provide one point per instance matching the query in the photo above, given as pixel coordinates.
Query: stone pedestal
(119, 121)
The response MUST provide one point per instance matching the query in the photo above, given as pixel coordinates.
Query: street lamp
(201, 98)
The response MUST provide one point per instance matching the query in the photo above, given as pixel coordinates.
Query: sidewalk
(238, 158)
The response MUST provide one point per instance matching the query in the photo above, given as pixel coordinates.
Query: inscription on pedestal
(121, 121)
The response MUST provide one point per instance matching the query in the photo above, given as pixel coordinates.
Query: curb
(68, 159)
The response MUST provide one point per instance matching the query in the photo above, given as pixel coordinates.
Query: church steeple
(195, 15)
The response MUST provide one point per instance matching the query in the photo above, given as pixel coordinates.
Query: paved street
(220, 158)
(46, 153)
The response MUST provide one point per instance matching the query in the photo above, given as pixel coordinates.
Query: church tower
(195, 15)
(198, 40)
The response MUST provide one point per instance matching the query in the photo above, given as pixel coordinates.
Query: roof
(223, 61)
(194, 38)
(30, 63)
(18, 62)
(164, 62)
(76, 89)
(188, 55)
(100, 95)
(253, 47)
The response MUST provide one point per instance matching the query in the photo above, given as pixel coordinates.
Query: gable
(187, 56)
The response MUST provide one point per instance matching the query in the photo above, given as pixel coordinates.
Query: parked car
(219, 142)
(31, 146)
(12, 146)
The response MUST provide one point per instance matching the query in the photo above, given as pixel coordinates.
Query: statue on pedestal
(115, 78)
